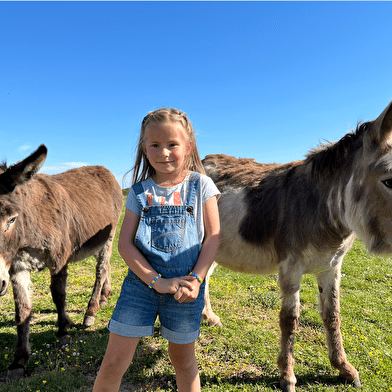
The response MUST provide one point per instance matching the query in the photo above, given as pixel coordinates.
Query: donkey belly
(93, 245)
(241, 256)
(234, 252)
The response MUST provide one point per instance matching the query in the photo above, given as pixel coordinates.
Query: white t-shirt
(176, 195)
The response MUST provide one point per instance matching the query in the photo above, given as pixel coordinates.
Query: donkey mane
(3, 165)
(241, 171)
(329, 157)
(323, 162)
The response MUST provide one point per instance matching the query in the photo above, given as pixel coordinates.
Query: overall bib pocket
(167, 232)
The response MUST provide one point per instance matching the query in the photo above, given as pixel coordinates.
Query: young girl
(169, 240)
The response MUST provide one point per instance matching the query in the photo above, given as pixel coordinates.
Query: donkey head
(368, 196)
(10, 209)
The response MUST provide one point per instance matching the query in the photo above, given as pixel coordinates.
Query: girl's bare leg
(184, 361)
(118, 357)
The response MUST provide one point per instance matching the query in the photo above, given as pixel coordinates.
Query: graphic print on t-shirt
(177, 198)
(161, 200)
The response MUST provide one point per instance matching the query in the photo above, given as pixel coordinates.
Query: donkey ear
(381, 132)
(24, 170)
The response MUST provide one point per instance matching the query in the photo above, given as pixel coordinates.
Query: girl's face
(166, 147)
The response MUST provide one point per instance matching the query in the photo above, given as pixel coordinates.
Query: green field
(240, 356)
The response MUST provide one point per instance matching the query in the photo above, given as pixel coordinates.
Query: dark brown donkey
(48, 222)
(302, 217)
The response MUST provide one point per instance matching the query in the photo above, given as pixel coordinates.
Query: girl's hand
(171, 286)
(185, 293)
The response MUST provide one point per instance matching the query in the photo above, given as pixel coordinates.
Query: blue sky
(265, 80)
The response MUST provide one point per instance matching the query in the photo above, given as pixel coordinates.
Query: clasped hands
(185, 288)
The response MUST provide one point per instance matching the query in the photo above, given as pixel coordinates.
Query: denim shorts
(138, 307)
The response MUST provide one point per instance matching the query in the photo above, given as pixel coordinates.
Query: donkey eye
(388, 183)
(10, 223)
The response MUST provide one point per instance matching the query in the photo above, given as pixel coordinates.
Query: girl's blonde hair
(143, 169)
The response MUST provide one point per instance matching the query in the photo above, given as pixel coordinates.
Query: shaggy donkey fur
(302, 217)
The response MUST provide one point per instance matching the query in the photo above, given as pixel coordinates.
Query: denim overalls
(167, 237)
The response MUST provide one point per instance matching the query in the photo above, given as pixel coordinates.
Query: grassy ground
(241, 356)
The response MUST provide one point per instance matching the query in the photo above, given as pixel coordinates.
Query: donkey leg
(102, 286)
(290, 279)
(208, 314)
(58, 289)
(105, 271)
(329, 283)
(23, 312)
(106, 291)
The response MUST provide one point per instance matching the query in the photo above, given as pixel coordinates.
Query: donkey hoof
(215, 323)
(103, 303)
(15, 374)
(88, 320)
(64, 340)
(287, 388)
(212, 321)
(288, 385)
(357, 383)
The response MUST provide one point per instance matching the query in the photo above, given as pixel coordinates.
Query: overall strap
(194, 181)
(139, 192)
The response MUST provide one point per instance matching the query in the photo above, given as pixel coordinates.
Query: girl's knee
(111, 369)
(118, 357)
(182, 355)
(108, 378)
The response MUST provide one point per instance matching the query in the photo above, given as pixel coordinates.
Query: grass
(241, 356)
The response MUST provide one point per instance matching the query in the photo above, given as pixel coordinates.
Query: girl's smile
(166, 147)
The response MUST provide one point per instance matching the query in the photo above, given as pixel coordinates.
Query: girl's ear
(189, 148)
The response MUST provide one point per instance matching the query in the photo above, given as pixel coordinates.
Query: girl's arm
(207, 253)
(138, 263)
